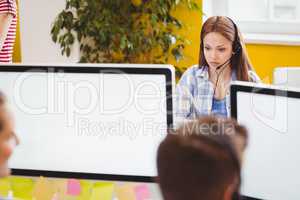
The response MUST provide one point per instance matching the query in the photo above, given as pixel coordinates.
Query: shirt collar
(202, 72)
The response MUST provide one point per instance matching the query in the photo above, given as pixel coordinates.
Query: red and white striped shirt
(8, 6)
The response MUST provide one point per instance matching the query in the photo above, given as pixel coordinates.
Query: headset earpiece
(237, 48)
(236, 43)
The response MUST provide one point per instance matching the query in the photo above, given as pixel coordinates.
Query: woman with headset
(204, 88)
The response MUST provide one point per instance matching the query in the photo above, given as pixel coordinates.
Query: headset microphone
(236, 48)
(225, 63)
(218, 74)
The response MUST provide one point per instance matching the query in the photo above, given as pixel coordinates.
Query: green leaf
(107, 26)
(54, 38)
(154, 19)
(68, 51)
(79, 36)
(123, 42)
(70, 38)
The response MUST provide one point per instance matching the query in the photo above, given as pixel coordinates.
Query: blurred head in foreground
(8, 139)
(202, 160)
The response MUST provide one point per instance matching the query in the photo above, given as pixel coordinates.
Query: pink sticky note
(73, 187)
(142, 192)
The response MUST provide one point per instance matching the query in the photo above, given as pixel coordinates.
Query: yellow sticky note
(86, 190)
(22, 187)
(125, 192)
(102, 191)
(4, 186)
(15, 198)
(43, 189)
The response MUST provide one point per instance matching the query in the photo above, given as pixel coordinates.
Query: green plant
(121, 31)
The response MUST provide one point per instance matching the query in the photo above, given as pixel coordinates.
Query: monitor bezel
(147, 69)
(259, 88)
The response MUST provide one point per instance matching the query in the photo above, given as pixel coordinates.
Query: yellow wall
(263, 57)
(17, 46)
(192, 20)
(266, 57)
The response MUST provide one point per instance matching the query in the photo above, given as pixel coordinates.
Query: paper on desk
(86, 190)
(4, 186)
(60, 187)
(102, 191)
(22, 187)
(125, 192)
(73, 187)
(43, 189)
(142, 192)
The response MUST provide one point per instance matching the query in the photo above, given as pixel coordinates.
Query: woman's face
(217, 49)
(8, 141)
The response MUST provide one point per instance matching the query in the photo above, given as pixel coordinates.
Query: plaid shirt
(194, 94)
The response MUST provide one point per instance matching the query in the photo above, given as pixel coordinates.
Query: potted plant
(121, 31)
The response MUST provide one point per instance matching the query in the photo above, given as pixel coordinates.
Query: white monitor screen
(271, 163)
(82, 121)
(287, 76)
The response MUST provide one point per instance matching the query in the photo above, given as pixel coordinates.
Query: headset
(236, 45)
(237, 42)
(236, 48)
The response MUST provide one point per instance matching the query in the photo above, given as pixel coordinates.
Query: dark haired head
(200, 160)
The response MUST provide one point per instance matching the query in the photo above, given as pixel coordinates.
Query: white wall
(36, 18)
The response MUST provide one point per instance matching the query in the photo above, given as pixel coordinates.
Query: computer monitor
(287, 76)
(271, 162)
(89, 121)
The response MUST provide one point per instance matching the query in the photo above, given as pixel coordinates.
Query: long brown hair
(226, 27)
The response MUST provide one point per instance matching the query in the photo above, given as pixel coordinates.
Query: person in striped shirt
(8, 23)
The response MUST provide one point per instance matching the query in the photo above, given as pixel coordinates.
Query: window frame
(282, 32)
